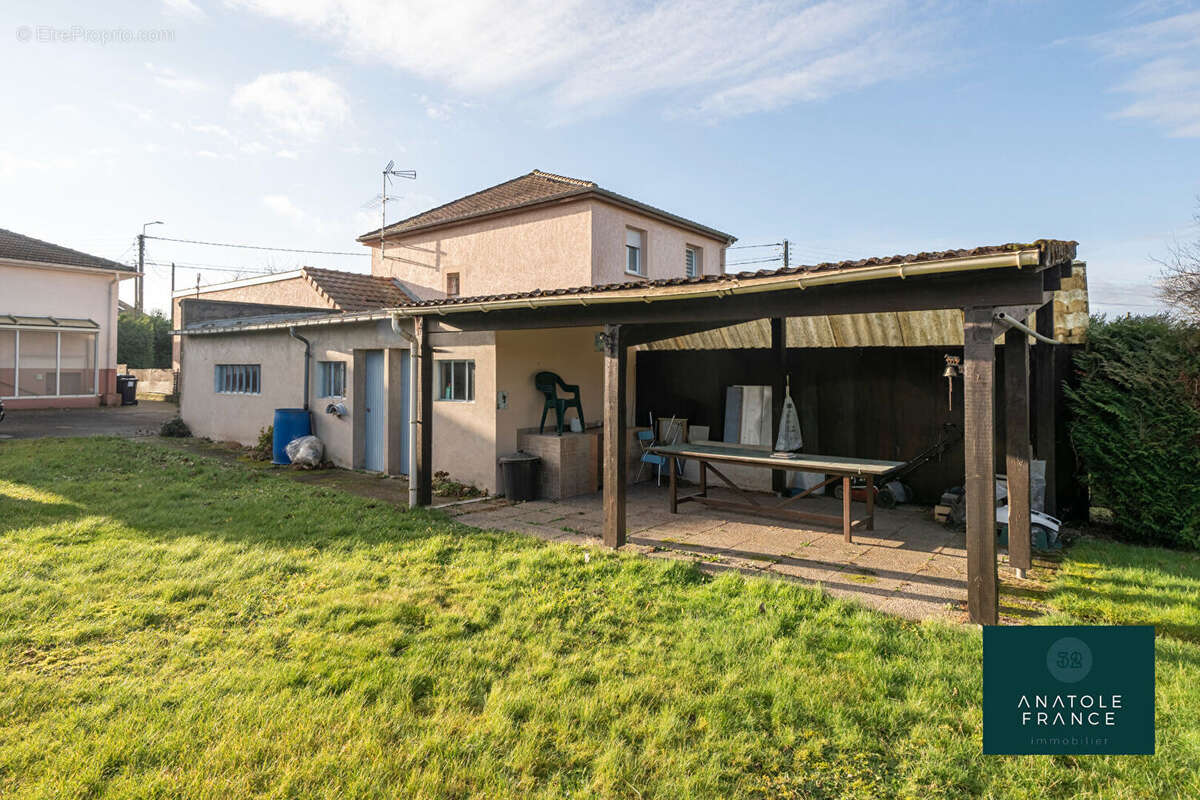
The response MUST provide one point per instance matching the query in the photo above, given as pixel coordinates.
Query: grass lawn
(173, 625)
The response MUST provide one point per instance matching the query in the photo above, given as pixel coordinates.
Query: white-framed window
(331, 379)
(693, 261)
(35, 362)
(238, 379)
(456, 381)
(635, 251)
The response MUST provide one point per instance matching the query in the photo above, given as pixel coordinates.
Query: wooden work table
(834, 467)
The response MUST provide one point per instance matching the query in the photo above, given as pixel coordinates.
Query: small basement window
(238, 379)
(451, 284)
(331, 377)
(456, 380)
(693, 259)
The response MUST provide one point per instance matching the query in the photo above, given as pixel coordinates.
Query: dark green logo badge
(1068, 689)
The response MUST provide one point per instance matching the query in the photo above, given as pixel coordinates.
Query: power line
(755, 261)
(258, 247)
(216, 267)
(746, 246)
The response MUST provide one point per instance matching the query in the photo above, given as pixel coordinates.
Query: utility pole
(140, 286)
(785, 253)
(137, 286)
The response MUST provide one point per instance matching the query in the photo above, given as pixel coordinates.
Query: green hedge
(1136, 425)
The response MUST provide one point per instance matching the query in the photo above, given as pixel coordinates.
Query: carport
(991, 285)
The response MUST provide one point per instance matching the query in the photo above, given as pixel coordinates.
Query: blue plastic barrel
(290, 423)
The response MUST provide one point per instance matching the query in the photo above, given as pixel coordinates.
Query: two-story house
(242, 352)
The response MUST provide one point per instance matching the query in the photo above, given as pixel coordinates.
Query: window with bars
(331, 379)
(238, 379)
(693, 259)
(456, 380)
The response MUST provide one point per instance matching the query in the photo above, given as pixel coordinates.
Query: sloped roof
(1050, 252)
(25, 248)
(354, 291)
(525, 191)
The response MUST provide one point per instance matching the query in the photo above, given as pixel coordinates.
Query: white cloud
(184, 8)
(302, 104)
(212, 130)
(720, 56)
(169, 78)
(281, 205)
(11, 163)
(1165, 83)
(290, 154)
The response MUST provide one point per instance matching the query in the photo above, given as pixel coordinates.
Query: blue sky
(852, 128)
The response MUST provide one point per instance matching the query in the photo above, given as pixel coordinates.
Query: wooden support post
(1045, 395)
(422, 362)
(615, 436)
(979, 450)
(779, 367)
(673, 463)
(846, 499)
(870, 502)
(1017, 448)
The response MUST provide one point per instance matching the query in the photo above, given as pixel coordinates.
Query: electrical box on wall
(501, 399)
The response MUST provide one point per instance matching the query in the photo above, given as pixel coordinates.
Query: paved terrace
(909, 565)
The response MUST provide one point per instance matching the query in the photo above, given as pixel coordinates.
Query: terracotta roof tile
(26, 248)
(527, 190)
(1053, 252)
(354, 291)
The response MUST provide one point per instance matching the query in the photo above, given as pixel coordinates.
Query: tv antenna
(389, 172)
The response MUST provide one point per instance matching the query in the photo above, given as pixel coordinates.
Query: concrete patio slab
(908, 565)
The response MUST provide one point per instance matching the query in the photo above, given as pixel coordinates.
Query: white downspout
(412, 406)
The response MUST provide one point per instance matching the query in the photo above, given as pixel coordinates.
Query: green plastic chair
(548, 384)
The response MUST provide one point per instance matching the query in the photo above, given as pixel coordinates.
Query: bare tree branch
(1179, 283)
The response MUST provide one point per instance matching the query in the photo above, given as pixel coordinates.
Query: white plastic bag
(307, 451)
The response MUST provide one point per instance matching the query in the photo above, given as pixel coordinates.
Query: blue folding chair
(646, 441)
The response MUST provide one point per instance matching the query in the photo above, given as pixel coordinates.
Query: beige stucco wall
(569, 352)
(546, 247)
(665, 245)
(240, 417)
(576, 243)
(468, 437)
(464, 433)
(295, 291)
(79, 294)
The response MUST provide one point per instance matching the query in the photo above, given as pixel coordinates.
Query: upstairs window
(635, 251)
(693, 262)
(238, 379)
(451, 284)
(331, 378)
(456, 380)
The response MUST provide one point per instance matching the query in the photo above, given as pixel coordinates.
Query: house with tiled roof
(58, 324)
(438, 361)
(428, 364)
(538, 231)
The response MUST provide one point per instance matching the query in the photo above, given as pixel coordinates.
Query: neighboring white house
(58, 324)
